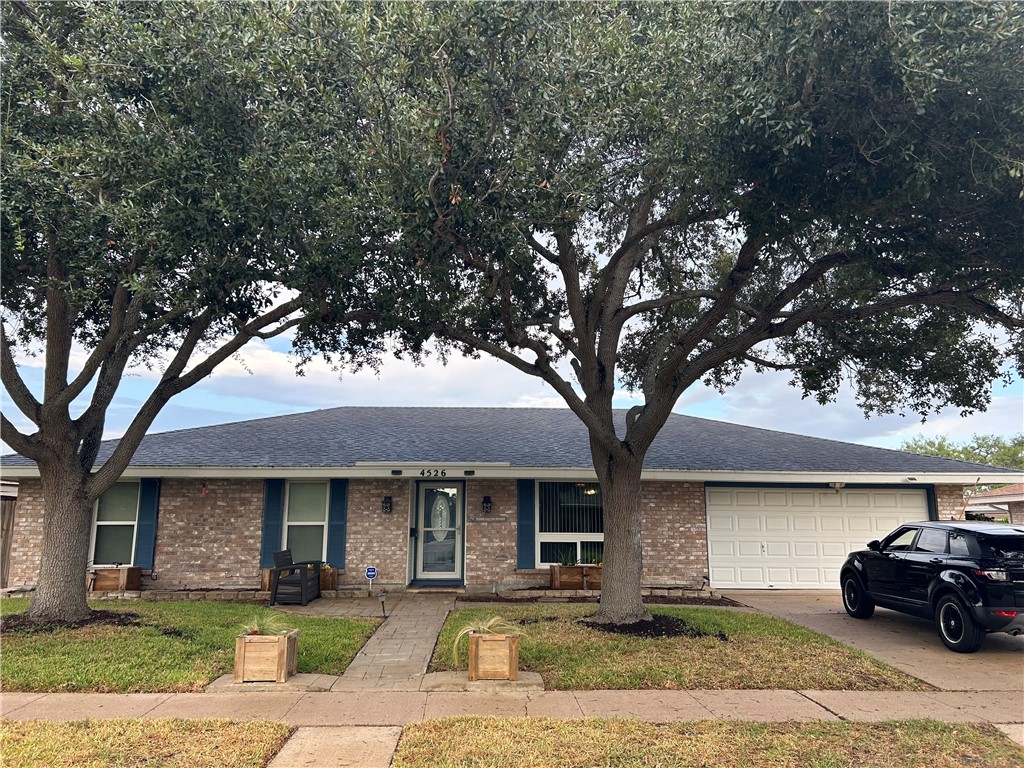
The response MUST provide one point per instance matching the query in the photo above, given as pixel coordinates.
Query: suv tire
(957, 628)
(856, 600)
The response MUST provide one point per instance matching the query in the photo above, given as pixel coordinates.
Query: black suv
(967, 576)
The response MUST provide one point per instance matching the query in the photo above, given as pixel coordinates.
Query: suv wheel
(855, 599)
(957, 627)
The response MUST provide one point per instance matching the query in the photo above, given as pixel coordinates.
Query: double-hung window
(570, 523)
(114, 524)
(305, 521)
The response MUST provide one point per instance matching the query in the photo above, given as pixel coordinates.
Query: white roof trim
(496, 471)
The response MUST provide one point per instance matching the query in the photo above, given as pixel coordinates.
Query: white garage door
(765, 538)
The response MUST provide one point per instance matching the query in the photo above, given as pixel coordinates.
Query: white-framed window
(570, 523)
(114, 522)
(305, 520)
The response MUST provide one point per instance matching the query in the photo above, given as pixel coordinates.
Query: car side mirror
(875, 545)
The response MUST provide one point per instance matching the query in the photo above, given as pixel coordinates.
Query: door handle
(935, 560)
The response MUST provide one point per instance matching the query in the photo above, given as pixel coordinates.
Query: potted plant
(571, 573)
(266, 651)
(493, 649)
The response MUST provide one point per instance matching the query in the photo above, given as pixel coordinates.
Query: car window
(1011, 547)
(959, 545)
(901, 540)
(931, 540)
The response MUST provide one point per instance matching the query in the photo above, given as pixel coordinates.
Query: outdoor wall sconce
(487, 505)
(385, 505)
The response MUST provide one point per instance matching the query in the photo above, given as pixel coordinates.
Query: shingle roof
(523, 437)
(1017, 489)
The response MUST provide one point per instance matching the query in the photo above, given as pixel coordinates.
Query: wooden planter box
(493, 657)
(575, 576)
(266, 658)
(327, 579)
(127, 577)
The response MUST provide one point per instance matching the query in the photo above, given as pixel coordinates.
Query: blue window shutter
(145, 532)
(273, 521)
(526, 551)
(337, 523)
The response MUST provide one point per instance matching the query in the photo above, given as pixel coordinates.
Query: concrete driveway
(905, 642)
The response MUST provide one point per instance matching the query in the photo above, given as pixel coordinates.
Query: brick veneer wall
(674, 533)
(1016, 512)
(26, 534)
(949, 502)
(375, 538)
(208, 541)
(491, 539)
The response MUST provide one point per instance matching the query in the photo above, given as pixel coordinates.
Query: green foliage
(994, 450)
(264, 622)
(178, 646)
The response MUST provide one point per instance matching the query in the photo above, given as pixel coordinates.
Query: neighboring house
(489, 497)
(1007, 501)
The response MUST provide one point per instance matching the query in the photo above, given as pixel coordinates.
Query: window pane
(307, 502)
(591, 552)
(571, 508)
(119, 502)
(558, 552)
(114, 544)
(306, 542)
(931, 540)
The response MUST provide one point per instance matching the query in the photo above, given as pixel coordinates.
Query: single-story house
(488, 498)
(1006, 501)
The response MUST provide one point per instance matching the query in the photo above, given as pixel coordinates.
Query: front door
(439, 538)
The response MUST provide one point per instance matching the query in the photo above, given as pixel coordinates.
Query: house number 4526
(433, 473)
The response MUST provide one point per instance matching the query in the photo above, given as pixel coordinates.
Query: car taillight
(1005, 614)
(994, 575)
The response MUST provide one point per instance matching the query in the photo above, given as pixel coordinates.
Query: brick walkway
(395, 658)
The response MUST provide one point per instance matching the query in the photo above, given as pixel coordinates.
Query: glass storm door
(439, 551)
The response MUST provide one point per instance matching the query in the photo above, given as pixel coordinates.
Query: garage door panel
(748, 548)
(806, 549)
(802, 543)
(778, 549)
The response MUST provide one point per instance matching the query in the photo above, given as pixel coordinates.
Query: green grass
(141, 743)
(761, 653)
(482, 742)
(182, 646)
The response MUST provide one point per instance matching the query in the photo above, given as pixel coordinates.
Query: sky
(261, 381)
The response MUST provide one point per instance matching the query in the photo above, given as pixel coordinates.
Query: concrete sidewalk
(395, 708)
(360, 728)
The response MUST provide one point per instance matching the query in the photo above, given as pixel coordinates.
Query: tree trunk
(621, 601)
(60, 594)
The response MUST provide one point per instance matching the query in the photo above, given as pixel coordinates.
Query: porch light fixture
(837, 486)
(488, 506)
(385, 505)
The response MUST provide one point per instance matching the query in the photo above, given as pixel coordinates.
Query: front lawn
(166, 646)
(141, 743)
(738, 650)
(480, 742)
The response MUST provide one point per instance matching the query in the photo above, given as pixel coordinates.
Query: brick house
(488, 498)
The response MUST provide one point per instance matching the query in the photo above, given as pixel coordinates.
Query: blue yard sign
(371, 572)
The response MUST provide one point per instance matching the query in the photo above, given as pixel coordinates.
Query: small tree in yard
(656, 195)
(168, 170)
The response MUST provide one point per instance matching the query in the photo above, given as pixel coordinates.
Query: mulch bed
(656, 626)
(19, 623)
(487, 597)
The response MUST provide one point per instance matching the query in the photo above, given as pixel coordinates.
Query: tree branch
(14, 383)
(20, 442)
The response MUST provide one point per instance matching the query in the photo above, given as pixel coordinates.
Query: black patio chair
(294, 583)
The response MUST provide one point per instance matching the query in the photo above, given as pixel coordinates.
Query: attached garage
(797, 538)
